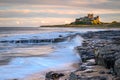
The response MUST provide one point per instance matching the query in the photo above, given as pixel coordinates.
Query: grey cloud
(32, 14)
(107, 4)
(112, 4)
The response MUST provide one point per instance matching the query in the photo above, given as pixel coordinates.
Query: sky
(28, 13)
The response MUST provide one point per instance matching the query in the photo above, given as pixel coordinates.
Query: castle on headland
(89, 19)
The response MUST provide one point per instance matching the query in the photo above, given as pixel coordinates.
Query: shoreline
(59, 50)
(88, 69)
(91, 70)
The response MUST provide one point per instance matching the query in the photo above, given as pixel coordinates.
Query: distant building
(89, 19)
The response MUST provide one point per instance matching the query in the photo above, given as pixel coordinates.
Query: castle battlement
(89, 19)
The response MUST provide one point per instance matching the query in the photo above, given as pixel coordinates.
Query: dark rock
(85, 53)
(53, 75)
(105, 57)
(117, 55)
(118, 78)
(82, 68)
(91, 78)
(102, 72)
(106, 45)
(15, 79)
(90, 64)
(99, 78)
(60, 36)
(73, 76)
(109, 72)
(117, 67)
(103, 78)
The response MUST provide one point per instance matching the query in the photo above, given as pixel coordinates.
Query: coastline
(98, 38)
(90, 70)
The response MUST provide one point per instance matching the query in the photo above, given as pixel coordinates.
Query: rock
(90, 63)
(89, 71)
(12, 79)
(117, 67)
(99, 78)
(86, 53)
(53, 75)
(109, 72)
(85, 43)
(73, 76)
(4, 60)
(105, 57)
(117, 55)
(118, 78)
(60, 36)
(92, 78)
(48, 75)
(15, 79)
(103, 78)
(102, 72)
(82, 68)
(106, 48)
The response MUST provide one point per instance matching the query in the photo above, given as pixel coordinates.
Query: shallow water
(52, 56)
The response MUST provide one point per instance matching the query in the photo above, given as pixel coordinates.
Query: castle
(89, 19)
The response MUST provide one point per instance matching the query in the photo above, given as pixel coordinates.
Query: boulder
(54, 76)
(105, 57)
(117, 67)
(86, 53)
(73, 76)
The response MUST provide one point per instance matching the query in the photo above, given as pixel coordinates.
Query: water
(27, 59)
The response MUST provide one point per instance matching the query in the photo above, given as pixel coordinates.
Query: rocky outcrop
(98, 49)
(106, 48)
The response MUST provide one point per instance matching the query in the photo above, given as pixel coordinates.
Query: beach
(31, 59)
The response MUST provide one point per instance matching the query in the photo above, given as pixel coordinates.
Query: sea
(21, 60)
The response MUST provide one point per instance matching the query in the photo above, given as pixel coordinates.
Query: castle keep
(89, 19)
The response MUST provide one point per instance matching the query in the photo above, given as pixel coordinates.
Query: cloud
(73, 3)
(53, 12)
(41, 12)
(33, 21)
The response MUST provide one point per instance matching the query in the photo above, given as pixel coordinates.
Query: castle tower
(90, 16)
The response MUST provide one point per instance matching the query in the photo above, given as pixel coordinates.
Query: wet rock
(15, 79)
(86, 53)
(117, 67)
(89, 71)
(60, 36)
(52, 75)
(103, 78)
(82, 68)
(90, 78)
(118, 78)
(73, 76)
(4, 60)
(109, 72)
(101, 72)
(98, 78)
(12, 79)
(85, 43)
(106, 47)
(89, 63)
(117, 55)
(105, 57)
